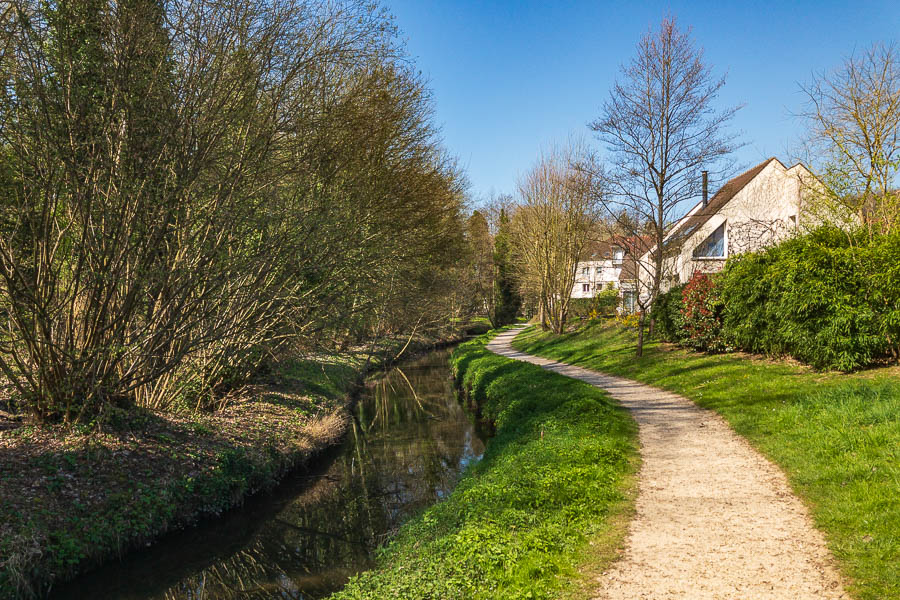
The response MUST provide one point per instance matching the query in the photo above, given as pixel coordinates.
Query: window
(618, 255)
(599, 270)
(713, 246)
(585, 287)
(628, 302)
(585, 270)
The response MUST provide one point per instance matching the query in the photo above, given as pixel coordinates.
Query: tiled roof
(689, 224)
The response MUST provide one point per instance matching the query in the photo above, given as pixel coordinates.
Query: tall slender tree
(507, 300)
(661, 127)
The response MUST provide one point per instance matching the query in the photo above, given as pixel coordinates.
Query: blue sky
(509, 78)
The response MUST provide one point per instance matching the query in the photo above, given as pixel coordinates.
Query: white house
(601, 269)
(756, 209)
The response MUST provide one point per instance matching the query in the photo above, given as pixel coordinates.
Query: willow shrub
(829, 299)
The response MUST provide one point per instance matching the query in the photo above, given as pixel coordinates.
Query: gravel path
(714, 519)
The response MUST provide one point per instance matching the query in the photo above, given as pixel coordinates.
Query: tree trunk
(640, 342)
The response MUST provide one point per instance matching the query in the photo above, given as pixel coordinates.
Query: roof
(636, 247)
(602, 249)
(692, 222)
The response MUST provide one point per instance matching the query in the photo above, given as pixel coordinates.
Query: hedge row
(828, 298)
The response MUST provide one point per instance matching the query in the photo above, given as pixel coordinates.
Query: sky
(510, 78)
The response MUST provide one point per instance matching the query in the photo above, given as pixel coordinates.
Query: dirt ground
(714, 519)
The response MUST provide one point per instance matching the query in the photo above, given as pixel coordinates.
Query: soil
(714, 519)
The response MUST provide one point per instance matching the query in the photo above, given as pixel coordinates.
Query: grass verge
(547, 498)
(836, 436)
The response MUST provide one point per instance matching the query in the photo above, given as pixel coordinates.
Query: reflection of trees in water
(407, 445)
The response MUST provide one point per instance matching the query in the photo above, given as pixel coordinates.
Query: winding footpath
(714, 519)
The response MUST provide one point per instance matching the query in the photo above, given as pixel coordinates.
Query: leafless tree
(661, 127)
(551, 227)
(853, 143)
(189, 186)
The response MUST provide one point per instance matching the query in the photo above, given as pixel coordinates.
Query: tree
(188, 187)
(506, 298)
(662, 129)
(853, 145)
(481, 247)
(551, 227)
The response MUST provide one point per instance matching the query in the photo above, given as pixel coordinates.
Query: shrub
(602, 304)
(701, 314)
(828, 298)
(605, 302)
(666, 314)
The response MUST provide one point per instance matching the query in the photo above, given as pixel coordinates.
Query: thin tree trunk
(640, 342)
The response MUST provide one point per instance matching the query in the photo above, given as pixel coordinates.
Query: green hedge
(829, 299)
(667, 317)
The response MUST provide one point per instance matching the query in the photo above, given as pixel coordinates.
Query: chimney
(705, 188)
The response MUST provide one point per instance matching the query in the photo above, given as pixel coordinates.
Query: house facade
(599, 270)
(760, 207)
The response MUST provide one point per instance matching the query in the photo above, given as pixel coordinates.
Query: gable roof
(699, 215)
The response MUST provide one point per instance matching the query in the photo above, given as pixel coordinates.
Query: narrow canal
(409, 443)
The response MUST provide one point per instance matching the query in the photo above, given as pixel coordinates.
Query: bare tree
(853, 145)
(189, 186)
(551, 227)
(661, 127)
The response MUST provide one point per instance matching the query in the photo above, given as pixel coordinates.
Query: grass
(547, 503)
(836, 436)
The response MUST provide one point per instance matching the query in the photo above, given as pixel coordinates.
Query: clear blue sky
(511, 77)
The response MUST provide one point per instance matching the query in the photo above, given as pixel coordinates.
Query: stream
(408, 444)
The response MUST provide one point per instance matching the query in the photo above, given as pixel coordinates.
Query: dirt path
(714, 519)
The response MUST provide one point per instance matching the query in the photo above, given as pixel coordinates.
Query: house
(609, 263)
(760, 207)
(600, 269)
(756, 209)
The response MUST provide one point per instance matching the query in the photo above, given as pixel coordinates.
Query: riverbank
(543, 511)
(71, 498)
(834, 435)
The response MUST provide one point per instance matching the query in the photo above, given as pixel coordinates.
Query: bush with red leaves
(701, 311)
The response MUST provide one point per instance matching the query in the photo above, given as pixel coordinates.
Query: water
(409, 442)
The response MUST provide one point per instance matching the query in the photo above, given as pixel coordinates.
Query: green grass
(546, 504)
(836, 436)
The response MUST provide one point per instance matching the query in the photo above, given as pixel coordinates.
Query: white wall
(609, 273)
(763, 213)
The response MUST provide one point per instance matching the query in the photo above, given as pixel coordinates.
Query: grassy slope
(544, 505)
(836, 436)
(70, 498)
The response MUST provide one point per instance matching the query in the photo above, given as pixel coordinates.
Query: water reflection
(409, 441)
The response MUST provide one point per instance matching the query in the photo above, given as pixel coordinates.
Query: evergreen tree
(507, 300)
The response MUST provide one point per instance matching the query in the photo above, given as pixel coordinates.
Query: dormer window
(713, 246)
(618, 255)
